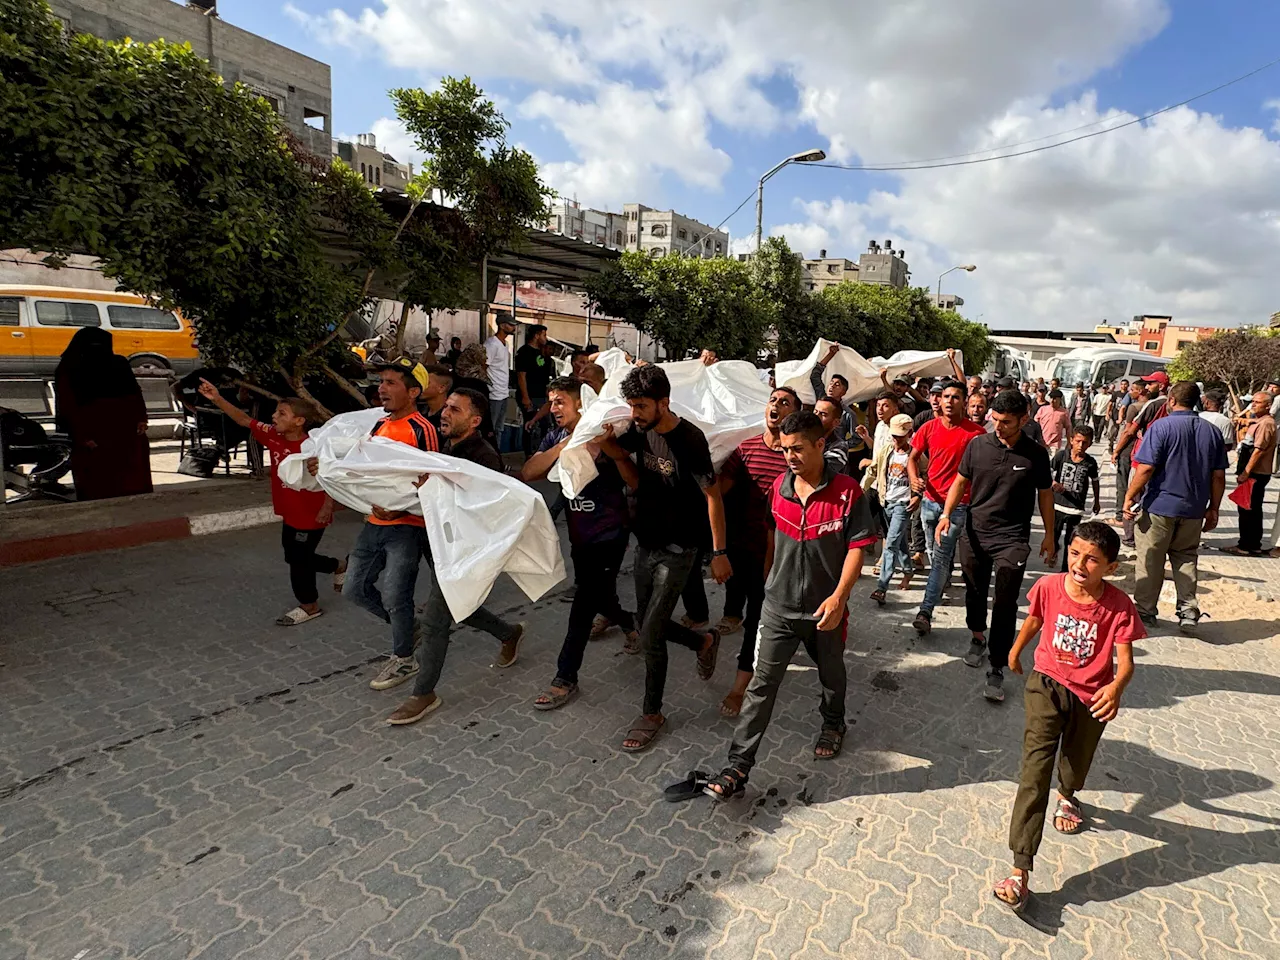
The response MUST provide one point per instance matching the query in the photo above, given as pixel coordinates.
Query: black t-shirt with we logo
(675, 470)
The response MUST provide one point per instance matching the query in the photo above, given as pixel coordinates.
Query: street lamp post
(968, 267)
(807, 156)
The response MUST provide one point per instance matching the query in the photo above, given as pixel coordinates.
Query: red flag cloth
(1242, 495)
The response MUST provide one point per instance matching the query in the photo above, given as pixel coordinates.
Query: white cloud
(1176, 216)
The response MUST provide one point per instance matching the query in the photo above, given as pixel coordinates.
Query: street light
(968, 267)
(806, 156)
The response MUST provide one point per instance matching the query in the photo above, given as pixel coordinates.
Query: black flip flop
(687, 788)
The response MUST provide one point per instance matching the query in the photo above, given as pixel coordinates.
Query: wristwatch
(945, 516)
(719, 553)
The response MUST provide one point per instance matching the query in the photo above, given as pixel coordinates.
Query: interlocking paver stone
(180, 778)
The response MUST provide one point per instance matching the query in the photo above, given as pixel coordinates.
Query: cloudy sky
(680, 104)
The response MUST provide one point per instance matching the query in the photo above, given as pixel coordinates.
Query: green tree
(193, 193)
(687, 303)
(1242, 360)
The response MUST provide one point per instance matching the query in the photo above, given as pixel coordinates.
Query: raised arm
(210, 392)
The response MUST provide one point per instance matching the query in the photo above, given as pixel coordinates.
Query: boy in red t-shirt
(1072, 693)
(305, 513)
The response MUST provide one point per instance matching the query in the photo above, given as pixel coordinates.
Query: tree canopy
(741, 309)
(193, 193)
(1243, 360)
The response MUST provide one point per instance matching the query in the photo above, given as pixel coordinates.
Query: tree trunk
(345, 384)
(400, 329)
(301, 390)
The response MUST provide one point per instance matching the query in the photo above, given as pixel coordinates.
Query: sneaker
(697, 626)
(922, 623)
(1188, 623)
(510, 651)
(394, 672)
(994, 690)
(977, 653)
(728, 625)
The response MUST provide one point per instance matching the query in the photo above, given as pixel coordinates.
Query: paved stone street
(181, 778)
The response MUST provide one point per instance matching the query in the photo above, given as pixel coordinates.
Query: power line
(958, 160)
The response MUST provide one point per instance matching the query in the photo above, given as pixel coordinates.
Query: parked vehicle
(37, 323)
(1102, 366)
(1008, 362)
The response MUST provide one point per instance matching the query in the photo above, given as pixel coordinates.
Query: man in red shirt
(942, 442)
(305, 513)
(392, 542)
(746, 483)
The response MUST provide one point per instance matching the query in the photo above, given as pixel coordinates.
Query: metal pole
(484, 299)
(759, 212)
(588, 323)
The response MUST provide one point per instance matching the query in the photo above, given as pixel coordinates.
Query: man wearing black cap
(909, 399)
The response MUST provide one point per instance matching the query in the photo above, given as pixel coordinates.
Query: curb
(17, 552)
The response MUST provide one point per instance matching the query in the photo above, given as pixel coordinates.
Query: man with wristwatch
(679, 513)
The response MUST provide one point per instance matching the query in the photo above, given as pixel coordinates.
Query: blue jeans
(394, 551)
(897, 549)
(940, 554)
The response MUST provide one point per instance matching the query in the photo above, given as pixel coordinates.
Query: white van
(1103, 365)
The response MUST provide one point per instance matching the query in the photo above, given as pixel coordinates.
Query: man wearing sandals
(746, 482)
(1073, 691)
(679, 513)
(822, 525)
(598, 535)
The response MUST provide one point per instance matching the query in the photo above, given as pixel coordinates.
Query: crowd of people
(924, 473)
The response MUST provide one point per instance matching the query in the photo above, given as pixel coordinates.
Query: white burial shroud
(479, 523)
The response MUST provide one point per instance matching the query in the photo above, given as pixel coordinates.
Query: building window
(655, 252)
(1151, 345)
(377, 176)
(658, 230)
(633, 238)
(682, 234)
(617, 238)
(314, 118)
(696, 237)
(831, 268)
(719, 247)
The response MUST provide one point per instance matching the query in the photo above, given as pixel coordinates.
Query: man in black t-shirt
(1005, 474)
(598, 534)
(533, 372)
(679, 513)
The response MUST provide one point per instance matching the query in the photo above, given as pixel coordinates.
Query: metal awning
(552, 258)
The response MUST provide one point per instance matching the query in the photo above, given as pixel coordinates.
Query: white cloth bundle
(863, 374)
(479, 523)
(725, 401)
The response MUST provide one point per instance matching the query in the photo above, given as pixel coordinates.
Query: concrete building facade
(376, 168)
(1156, 334)
(587, 223)
(948, 301)
(883, 266)
(297, 86)
(659, 233)
(826, 272)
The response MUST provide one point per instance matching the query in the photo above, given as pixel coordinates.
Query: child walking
(1072, 471)
(306, 514)
(1072, 693)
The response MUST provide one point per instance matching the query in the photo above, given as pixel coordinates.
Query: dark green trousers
(1059, 726)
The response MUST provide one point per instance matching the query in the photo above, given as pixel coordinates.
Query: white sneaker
(394, 672)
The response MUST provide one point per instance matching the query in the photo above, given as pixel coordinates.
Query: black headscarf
(93, 370)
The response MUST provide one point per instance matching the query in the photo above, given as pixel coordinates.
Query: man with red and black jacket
(822, 525)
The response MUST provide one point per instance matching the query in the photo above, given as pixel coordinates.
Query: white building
(376, 168)
(662, 232)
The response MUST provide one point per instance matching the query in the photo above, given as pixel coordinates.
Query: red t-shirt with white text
(297, 508)
(1077, 640)
(944, 445)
